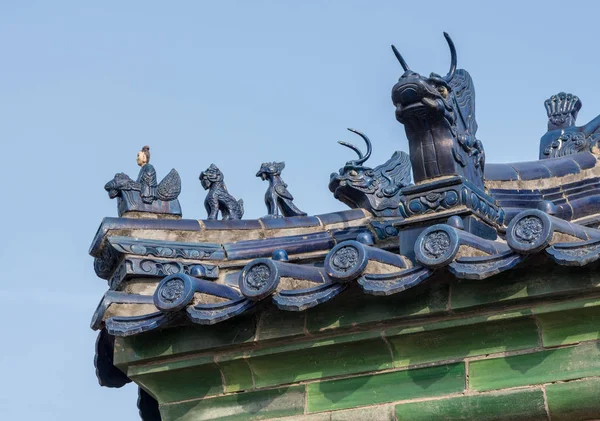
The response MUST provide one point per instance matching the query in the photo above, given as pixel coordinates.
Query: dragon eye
(353, 173)
(443, 91)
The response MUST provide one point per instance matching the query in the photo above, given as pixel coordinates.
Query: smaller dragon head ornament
(375, 189)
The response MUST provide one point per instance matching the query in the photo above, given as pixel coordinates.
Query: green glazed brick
(509, 406)
(356, 308)
(320, 361)
(577, 400)
(236, 374)
(568, 327)
(168, 384)
(274, 323)
(249, 406)
(372, 413)
(464, 341)
(521, 285)
(386, 387)
(184, 339)
(540, 367)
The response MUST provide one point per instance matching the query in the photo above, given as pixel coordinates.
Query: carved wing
(464, 93)
(170, 186)
(393, 174)
(283, 192)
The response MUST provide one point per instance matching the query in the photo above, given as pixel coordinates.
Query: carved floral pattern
(148, 267)
(436, 244)
(345, 258)
(441, 200)
(258, 277)
(163, 251)
(529, 229)
(171, 291)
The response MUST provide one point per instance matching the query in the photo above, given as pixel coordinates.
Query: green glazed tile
(567, 327)
(297, 345)
(356, 307)
(249, 406)
(540, 367)
(563, 305)
(237, 375)
(184, 339)
(464, 341)
(574, 401)
(157, 367)
(509, 406)
(321, 361)
(194, 382)
(520, 285)
(275, 323)
(456, 322)
(386, 387)
(372, 413)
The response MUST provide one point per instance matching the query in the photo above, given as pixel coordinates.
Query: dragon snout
(408, 95)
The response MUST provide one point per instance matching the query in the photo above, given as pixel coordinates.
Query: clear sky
(84, 85)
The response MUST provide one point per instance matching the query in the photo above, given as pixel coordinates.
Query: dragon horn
(361, 158)
(450, 74)
(400, 58)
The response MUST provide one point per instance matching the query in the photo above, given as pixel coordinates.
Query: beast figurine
(218, 198)
(375, 189)
(277, 198)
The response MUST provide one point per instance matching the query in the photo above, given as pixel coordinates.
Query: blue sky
(83, 86)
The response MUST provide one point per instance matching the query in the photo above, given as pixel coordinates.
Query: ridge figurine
(218, 198)
(278, 199)
(438, 114)
(563, 137)
(375, 189)
(145, 194)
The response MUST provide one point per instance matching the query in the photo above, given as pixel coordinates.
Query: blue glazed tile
(290, 222)
(232, 224)
(519, 203)
(585, 160)
(551, 190)
(585, 206)
(531, 170)
(560, 167)
(343, 216)
(500, 172)
(576, 192)
(291, 244)
(348, 234)
(522, 195)
(553, 197)
(564, 211)
(511, 213)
